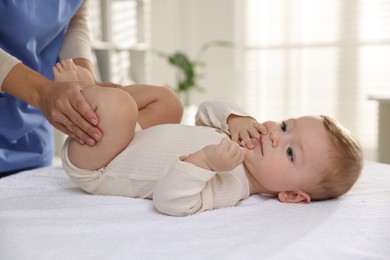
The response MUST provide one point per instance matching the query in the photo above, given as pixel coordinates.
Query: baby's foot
(84, 75)
(65, 71)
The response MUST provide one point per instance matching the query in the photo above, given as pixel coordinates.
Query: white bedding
(44, 216)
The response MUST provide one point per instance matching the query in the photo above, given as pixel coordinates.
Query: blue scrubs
(32, 31)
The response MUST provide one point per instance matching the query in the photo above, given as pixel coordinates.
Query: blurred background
(289, 57)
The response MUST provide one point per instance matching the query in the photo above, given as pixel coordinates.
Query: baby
(188, 169)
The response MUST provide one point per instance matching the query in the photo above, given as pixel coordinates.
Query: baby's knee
(107, 96)
(116, 97)
(119, 104)
(113, 103)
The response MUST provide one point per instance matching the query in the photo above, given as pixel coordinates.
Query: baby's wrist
(198, 159)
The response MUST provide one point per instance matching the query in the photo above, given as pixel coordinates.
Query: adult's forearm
(26, 84)
(7, 62)
(77, 42)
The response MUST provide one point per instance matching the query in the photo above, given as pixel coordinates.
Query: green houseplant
(187, 69)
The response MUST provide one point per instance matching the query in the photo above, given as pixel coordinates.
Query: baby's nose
(274, 136)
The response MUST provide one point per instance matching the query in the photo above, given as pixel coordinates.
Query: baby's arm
(186, 188)
(231, 119)
(182, 190)
(221, 157)
(214, 113)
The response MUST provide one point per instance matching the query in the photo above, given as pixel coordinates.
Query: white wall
(185, 25)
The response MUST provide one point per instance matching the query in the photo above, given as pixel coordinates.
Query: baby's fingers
(260, 127)
(246, 140)
(234, 137)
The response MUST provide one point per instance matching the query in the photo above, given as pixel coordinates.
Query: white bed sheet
(44, 216)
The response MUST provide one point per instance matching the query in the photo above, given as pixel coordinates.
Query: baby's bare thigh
(117, 113)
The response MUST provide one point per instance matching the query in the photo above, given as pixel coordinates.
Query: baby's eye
(290, 154)
(283, 126)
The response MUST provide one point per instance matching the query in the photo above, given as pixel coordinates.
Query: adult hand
(67, 110)
(61, 102)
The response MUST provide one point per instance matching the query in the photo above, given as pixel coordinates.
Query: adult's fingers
(66, 108)
(82, 120)
(63, 129)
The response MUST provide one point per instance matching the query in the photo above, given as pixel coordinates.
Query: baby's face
(292, 154)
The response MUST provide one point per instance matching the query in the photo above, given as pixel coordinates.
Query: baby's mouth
(261, 145)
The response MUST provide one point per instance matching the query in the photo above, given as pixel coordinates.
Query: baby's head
(303, 159)
(346, 162)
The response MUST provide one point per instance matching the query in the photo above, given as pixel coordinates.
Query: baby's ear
(296, 196)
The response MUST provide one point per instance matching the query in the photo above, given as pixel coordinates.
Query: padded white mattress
(44, 216)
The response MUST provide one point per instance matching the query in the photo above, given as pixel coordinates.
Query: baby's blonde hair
(346, 162)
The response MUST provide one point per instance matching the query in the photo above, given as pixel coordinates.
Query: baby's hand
(243, 128)
(224, 156)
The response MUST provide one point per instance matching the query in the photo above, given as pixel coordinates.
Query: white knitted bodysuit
(150, 167)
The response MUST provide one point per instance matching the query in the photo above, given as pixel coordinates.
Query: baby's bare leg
(84, 75)
(118, 115)
(66, 70)
(156, 105)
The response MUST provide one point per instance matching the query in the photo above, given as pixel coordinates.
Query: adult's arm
(77, 43)
(62, 103)
(7, 62)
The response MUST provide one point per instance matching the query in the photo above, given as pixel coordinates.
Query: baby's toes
(70, 64)
(60, 67)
